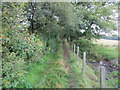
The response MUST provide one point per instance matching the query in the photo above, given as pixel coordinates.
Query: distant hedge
(111, 38)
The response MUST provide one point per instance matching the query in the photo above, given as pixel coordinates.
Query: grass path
(71, 82)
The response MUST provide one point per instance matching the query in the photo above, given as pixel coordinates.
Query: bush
(84, 45)
(87, 46)
(13, 69)
(17, 48)
(21, 43)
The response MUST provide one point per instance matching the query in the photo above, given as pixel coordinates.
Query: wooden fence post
(84, 63)
(77, 53)
(74, 49)
(99, 68)
(102, 77)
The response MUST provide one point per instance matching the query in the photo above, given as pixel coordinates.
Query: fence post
(102, 77)
(74, 49)
(77, 53)
(84, 63)
(99, 66)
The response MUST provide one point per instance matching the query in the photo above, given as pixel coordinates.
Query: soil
(108, 64)
(65, 51)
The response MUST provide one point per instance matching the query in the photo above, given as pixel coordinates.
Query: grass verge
(49, 74)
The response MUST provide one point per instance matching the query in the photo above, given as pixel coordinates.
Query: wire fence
(106, 76)
(97, 68)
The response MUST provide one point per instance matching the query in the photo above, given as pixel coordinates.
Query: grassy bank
(49, 74)
(52, 72)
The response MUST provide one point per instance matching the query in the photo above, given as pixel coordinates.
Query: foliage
(51, 19)
(13, 70)
(94, 18)
(18, 46)
(13, 15)
(21, 43)
(15, 51)
(32, 32)
(84, 46)
(65, 20)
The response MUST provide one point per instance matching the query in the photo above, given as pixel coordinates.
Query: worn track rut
(71, 82)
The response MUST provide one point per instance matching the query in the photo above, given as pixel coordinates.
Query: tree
(71, 20)
(53, 19)
(95, 17)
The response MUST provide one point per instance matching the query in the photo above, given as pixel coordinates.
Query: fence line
(84, 63)
(102, 77)
(100, 69)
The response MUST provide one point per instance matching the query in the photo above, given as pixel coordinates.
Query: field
(106, 42)
(107, 49)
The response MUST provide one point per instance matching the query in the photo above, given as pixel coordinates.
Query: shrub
(21, 43)
(13, 69)
(84, 45)
(87, 46)
(17, 47)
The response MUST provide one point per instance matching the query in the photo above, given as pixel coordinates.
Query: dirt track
(67, 58)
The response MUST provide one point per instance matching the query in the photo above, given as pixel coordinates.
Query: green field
(107, 52)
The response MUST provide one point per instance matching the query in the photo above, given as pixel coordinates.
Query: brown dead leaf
(57, 85)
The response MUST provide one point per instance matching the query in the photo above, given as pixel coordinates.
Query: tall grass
(107, 53)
